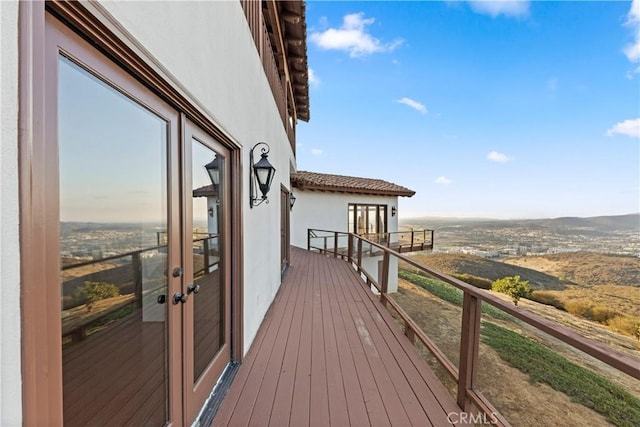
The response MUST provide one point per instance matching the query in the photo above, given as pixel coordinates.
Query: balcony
(337, 349)
(329, 353)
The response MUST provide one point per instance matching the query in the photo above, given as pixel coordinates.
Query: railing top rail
(621, 361)
(130, 253)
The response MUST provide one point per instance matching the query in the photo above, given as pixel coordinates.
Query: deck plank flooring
(329, 354)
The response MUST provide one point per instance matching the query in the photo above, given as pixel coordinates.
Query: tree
(92, 292)
(514, 287)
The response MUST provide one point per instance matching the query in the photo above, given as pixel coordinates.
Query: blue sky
(485, 109)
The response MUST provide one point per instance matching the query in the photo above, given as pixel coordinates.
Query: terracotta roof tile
(205, 191)
(347, 184)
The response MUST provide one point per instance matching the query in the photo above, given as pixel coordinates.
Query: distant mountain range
(630, 222)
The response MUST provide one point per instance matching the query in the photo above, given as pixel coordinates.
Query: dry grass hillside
(600, 288)
(585, 268)
(488, 269)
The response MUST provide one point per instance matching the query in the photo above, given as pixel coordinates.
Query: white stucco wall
(10, 369)
(329, 211)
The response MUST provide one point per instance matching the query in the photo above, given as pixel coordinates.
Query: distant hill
(604, 224)
(487, 269)
(585, 268)
(552, 272)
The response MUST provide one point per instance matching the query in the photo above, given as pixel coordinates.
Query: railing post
(350, 248)
(308, 239)
(359, 263)
(469, 344)
(325, 244)
(137, 277)
(384, 280)
(412, 234)
(335, 244)
(205, 249)
(409, 332)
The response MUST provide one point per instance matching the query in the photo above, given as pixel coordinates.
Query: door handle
(193, 288)
(179, 297)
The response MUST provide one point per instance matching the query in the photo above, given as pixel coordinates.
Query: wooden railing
(280, 88)
(404, 241)
(350, 247)
(134, 277)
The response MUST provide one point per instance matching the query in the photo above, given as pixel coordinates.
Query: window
(367, 219)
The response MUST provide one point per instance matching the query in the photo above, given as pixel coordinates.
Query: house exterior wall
(10, 363)
(208, 50)
(328, 211)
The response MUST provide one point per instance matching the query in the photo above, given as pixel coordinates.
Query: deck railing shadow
(354, 248)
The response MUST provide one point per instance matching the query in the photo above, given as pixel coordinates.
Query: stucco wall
(209, 50)
(328, 211)
(10, 369)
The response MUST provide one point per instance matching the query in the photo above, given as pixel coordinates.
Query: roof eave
(313, 187)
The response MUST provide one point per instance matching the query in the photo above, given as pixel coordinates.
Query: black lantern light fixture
(262, 172)
(393, 211)
(292, 201)
(213, 169)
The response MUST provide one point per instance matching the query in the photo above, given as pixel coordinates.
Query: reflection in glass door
(207, 313)
(113, 246)
(207, 208)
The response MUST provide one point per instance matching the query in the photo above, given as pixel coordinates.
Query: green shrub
(512, 286)
(602, 314)
(478, 282)
(96, 291)
(579, 307)
(547, 298)
(626, 325)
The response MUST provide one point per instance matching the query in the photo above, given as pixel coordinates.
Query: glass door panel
(207, 203)
(113, 246)
(207, 312)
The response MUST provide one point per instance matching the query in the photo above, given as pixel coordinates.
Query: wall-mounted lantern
(292, 201)
(393, 211)
(262, 172)
(213, 169)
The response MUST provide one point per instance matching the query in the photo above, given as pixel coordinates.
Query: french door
(144, 240)
(206, 249)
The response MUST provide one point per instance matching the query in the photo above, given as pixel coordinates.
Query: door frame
(41, 354)
(285, 237)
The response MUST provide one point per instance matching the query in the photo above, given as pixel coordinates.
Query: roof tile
(347, 184)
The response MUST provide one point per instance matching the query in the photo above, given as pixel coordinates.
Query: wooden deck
(329, 354)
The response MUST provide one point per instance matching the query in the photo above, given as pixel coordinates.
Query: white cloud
(443, 180)
(495, 156)
(633, 20)
(629, 127)
(495, 8)
(352, 37)
(413, 104)
(631, 74)
(317, 151)
(313, 79)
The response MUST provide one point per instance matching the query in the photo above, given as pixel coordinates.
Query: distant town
(618, 235)
(488, 238)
